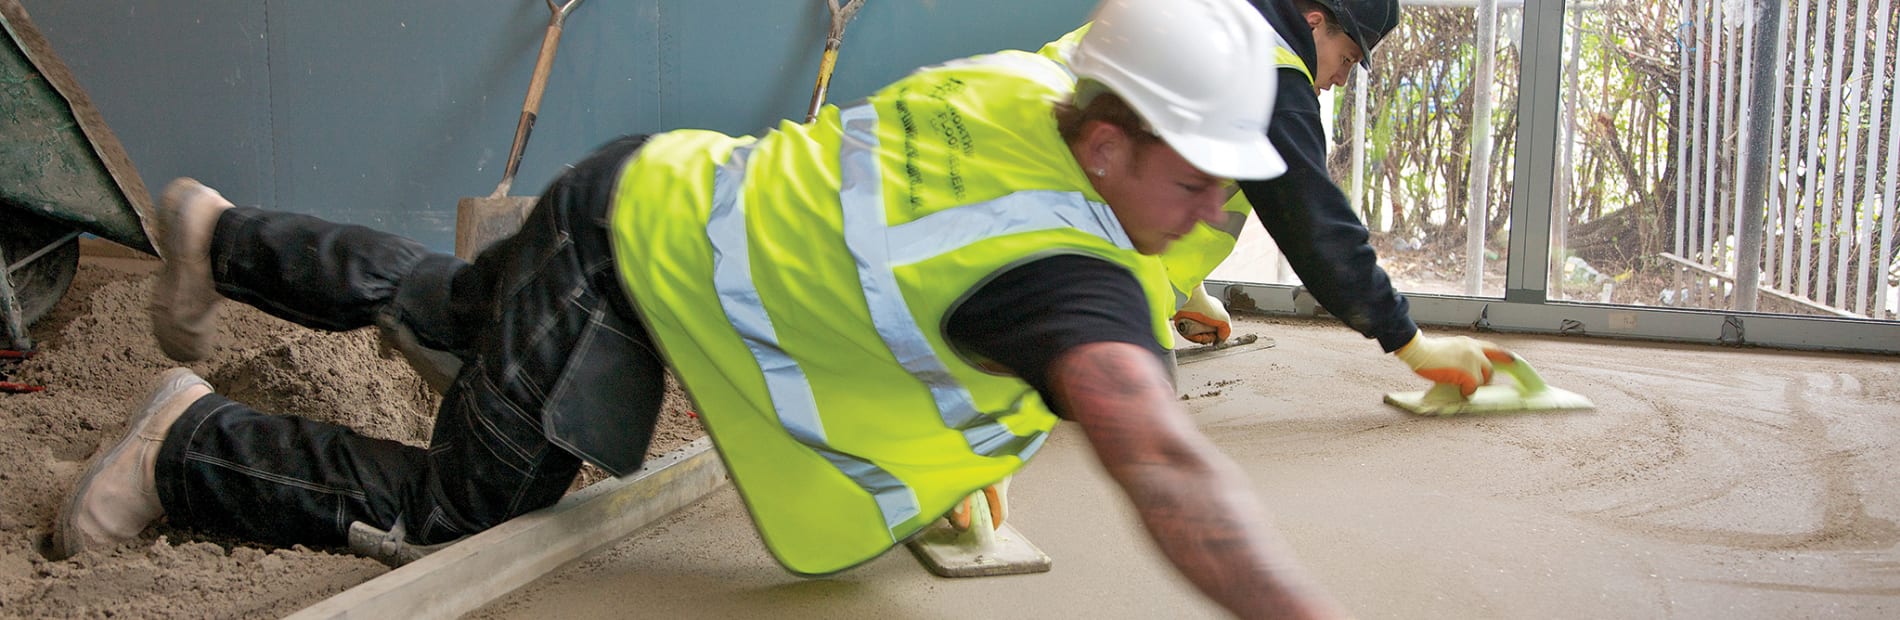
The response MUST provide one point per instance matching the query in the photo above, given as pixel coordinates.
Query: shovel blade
(482, 221)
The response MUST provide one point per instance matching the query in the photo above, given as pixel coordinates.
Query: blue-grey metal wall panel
(183, 84)
(601, 87)
(386, 113)
(740, 71)
(892, 38)
(380, 110)
(736, 71)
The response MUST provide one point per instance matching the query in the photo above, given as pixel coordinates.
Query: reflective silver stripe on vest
(1020, 212)
(790, 390)
(878, 248)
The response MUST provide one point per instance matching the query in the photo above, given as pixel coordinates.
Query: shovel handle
(834, 38)
(537, 86)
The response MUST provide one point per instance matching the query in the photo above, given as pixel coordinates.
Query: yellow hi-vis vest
(1196, 254)
(798, 284)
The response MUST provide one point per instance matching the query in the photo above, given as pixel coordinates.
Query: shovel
(481, 221)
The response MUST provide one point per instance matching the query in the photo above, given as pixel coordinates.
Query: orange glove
(1203, 319)
(1459, 360)
(995, 497)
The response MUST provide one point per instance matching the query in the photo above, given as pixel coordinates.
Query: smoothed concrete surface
(1708, 483)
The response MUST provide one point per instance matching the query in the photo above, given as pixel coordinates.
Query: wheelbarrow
(62, 174)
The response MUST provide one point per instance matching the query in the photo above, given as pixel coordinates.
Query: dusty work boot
(118, 495)
(184, 296)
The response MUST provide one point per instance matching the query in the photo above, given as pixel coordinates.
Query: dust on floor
(1709, 482)
(97, 360)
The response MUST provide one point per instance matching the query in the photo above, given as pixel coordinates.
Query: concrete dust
(1709, 482)
(97, 360)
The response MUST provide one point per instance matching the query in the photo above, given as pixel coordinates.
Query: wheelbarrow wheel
(39, 283)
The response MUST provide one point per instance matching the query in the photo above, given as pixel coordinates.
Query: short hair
(1326, 14)
(1099, 104)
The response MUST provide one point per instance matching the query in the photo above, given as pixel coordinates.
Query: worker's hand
(994, 498)
(1203, 319)
(1458, 360)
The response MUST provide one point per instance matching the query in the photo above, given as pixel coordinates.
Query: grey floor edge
(489, 565)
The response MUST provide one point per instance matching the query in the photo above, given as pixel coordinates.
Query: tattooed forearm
(1103, 374)
(1194, 502)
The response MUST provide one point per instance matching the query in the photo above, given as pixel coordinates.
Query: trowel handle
(1528, 381)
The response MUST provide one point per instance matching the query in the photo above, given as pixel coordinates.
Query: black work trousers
(556, 368)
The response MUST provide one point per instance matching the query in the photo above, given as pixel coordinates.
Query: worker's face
(1156, 194)
(1338, 54)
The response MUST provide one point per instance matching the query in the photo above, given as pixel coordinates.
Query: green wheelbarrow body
(62, 173)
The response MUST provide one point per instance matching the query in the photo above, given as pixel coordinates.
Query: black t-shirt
(1026, 317)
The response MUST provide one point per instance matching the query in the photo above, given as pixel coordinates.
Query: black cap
(1366, 22)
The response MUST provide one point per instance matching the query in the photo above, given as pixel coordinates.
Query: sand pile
(97, 360)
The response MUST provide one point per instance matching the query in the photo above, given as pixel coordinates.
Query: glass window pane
(1403, 149)
(1652, 182)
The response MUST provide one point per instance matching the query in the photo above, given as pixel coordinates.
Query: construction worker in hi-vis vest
(940, 182)
(1320, 41)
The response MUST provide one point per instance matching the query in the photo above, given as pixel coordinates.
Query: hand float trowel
(983, 546)
(1527, 392)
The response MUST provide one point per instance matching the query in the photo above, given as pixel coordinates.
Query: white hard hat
(1200, 72)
